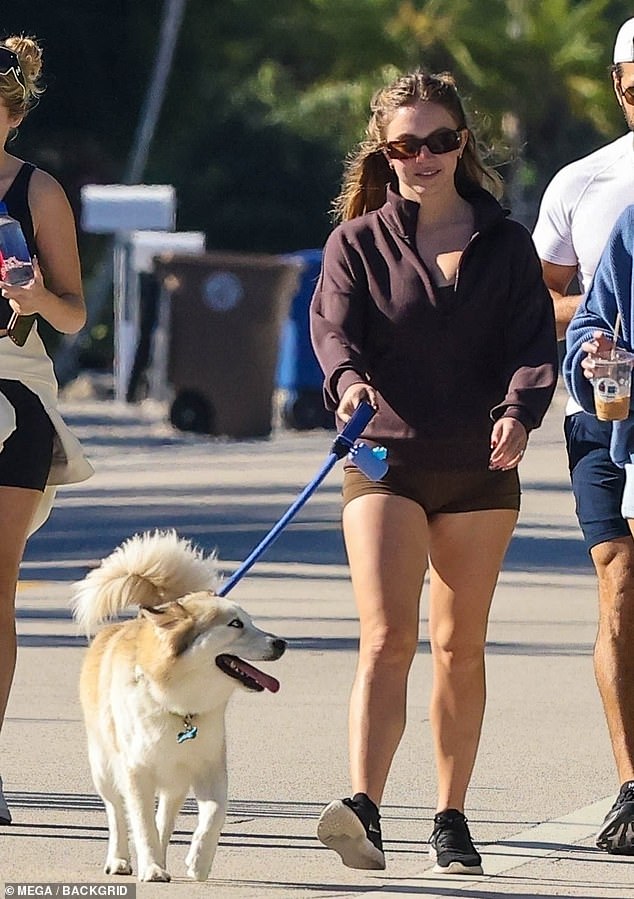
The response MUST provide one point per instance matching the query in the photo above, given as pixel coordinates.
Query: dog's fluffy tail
(146, 570)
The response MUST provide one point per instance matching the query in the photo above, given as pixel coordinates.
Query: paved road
(544, 776)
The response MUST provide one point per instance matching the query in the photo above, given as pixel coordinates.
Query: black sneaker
(451, 845)
(617, 831)
(5, 814)
(351, 827)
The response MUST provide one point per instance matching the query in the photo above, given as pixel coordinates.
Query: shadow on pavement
(342, 644)
(89, 533)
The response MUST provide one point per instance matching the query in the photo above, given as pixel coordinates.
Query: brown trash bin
(225, 318)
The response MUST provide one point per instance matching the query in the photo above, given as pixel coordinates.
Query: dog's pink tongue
(263, 679)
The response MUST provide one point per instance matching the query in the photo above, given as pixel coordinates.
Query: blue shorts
(597, 483)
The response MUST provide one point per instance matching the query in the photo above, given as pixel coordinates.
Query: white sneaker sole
(454, 867)
(339, 828)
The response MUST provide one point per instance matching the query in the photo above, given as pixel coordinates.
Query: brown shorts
(440, 491)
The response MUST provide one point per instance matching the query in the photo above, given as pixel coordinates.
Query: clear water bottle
(16, 269)
(16, 265)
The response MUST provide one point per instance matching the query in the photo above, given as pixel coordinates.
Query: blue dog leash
(370, 461)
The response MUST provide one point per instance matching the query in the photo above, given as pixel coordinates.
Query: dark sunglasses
(627, 94)
(442, 141)
(10, 65)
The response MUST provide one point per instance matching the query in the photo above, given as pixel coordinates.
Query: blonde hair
(367, 171)
(29, 54)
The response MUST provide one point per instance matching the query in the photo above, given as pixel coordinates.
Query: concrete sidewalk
(544, 776)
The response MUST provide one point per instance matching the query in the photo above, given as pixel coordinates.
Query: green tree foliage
(266, 98)
(535, 75)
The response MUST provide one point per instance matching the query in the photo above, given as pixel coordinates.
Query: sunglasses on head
(442, 141)
(10, 65)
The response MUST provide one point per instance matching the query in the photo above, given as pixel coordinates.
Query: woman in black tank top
(39, 203)
(16, 200)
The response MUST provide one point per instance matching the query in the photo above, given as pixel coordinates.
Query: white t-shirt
(580, 207)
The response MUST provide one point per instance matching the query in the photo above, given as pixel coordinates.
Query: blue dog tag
(190, 732)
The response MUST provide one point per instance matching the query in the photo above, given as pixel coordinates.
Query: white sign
(145, 245)
(112, 208)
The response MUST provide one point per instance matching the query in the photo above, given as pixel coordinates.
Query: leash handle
(360, 419)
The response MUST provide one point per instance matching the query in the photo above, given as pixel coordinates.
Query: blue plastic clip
(372, 462)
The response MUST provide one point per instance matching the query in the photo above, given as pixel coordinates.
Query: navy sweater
(611, 292)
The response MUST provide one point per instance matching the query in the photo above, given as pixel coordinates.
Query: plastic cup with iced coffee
(612, 385)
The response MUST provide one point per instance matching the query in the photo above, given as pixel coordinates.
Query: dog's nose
(279, 646)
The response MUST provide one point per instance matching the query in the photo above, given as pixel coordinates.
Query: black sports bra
(16, 199)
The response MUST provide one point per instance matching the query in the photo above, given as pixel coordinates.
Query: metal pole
(173, 12)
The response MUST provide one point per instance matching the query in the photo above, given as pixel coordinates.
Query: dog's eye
(236, 623)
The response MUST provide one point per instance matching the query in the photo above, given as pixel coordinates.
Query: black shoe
(617, 831)
(5, 814)
(351, 827)
(451, 845)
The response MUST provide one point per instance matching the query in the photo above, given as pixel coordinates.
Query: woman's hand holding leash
(355, 394)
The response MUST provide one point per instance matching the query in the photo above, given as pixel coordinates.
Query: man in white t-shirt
(578, 210)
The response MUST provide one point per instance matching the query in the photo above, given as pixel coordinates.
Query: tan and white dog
(154, 691)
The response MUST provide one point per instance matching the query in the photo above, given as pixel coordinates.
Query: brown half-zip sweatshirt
(444, 370)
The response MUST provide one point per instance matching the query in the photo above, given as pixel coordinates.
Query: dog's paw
(118, 866)
(156, 873)
(198, 868)
(197, 872)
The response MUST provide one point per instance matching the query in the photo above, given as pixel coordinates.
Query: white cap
(624, 45)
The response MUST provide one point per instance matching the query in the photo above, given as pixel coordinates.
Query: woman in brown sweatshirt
(431, 306)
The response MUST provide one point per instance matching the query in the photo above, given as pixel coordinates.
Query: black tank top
(16, 199)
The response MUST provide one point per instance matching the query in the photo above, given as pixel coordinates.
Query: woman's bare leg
(466, 554)
(17, 506)
(386, 541)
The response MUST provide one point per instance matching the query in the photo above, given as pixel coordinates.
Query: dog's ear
(166, 616)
